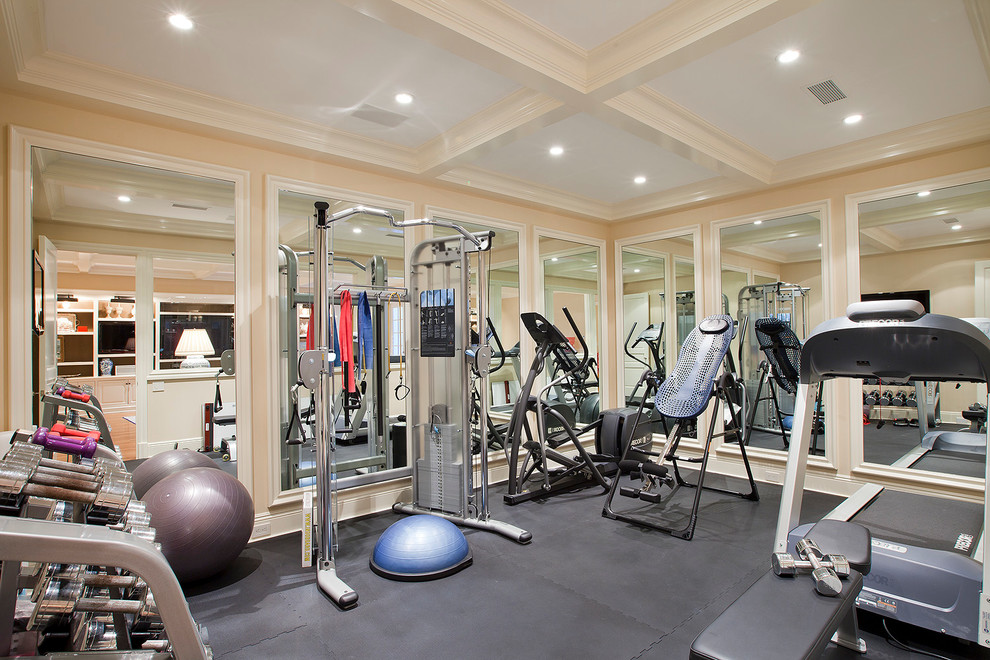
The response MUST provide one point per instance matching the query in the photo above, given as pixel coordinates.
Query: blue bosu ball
(788, 421)
(420, 547)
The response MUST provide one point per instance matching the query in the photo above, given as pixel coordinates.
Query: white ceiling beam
(978, 12)
(650, 116)
(517, 115)
(880, 239)
(677, 35)
(921, 210)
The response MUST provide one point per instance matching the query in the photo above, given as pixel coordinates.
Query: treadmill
(927, 567)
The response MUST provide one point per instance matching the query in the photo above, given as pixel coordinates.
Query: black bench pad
(778, 618)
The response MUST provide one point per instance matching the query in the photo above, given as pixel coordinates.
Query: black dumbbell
(872, 398)
(886, 398)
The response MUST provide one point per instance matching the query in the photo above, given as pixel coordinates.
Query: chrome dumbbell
(785, 564)
(827, 581)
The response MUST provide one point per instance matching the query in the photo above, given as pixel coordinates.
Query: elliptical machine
(545, 470)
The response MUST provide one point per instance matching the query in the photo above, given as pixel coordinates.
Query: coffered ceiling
(685, 93)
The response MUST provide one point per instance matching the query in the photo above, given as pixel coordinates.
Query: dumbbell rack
(88, 576)
(924, 406)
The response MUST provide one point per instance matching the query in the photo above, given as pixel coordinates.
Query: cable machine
(445, 367)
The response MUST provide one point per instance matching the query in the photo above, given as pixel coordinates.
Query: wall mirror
(503, 310)
(141, 257)
(657, 290)
(572, 279)
(930, 243)
(368, 263)
(771, 285)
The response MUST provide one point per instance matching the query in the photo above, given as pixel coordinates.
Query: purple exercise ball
(203, 518)
(159, 466)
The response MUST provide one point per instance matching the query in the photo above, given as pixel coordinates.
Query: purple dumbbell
(52, 441)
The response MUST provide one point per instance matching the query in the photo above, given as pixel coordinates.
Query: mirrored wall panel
(367, 273)
(933, 246)
(105, 226)
(503, 332)
(771, 281)
(571, 281)
(658, 311)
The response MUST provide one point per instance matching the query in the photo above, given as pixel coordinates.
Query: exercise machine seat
(783, 349)
(778, 618)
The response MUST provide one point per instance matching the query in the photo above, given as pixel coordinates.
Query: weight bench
(782, 618)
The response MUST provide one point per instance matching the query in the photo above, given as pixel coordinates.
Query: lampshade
(194, 343)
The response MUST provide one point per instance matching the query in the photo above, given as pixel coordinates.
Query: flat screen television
(115, 337)
(922, 296)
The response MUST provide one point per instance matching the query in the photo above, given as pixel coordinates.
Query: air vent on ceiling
(827, 92)
(379, 116)
(191, 207)
(949, 221)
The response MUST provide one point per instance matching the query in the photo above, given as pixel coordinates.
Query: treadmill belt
(952, 462)
(922, 520)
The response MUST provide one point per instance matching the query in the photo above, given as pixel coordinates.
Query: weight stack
(440, 472)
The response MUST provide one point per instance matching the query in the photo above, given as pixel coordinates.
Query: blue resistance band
(366, 347)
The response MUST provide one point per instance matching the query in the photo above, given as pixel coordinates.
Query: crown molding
(719, 151)
(528, 191)
(518, 114)
(957, 130)
(67, 74)
(693, 193)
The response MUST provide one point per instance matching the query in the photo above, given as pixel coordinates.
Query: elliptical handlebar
(625, 347)
(498, 343)
(584, 346)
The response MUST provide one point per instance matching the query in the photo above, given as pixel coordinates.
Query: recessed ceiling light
(924, 193)
(819, 245)
(553, 258)
(556, 150)
(940, 212)
(635, 270)
(403, 98)
(757, 222)
(853, 119)
(123, 198)
(639, 179)
(180, 21)
(357, 230)
(956, 227)
(788, 56)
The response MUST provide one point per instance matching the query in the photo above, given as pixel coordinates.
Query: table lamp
(194, 345)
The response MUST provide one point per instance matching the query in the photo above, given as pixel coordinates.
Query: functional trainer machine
(445, 371)
(686, 393)
(316, 372)
(942, 588)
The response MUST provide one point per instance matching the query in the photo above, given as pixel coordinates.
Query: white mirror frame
(273, 184)
(823, 208)
(19, 249)
(860, 469)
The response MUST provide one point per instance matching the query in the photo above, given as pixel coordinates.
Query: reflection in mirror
(113, 225)
(657, 285)
(772, 286)
(570, 280)
(367, 258)
(931, 246)
(503, 297)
